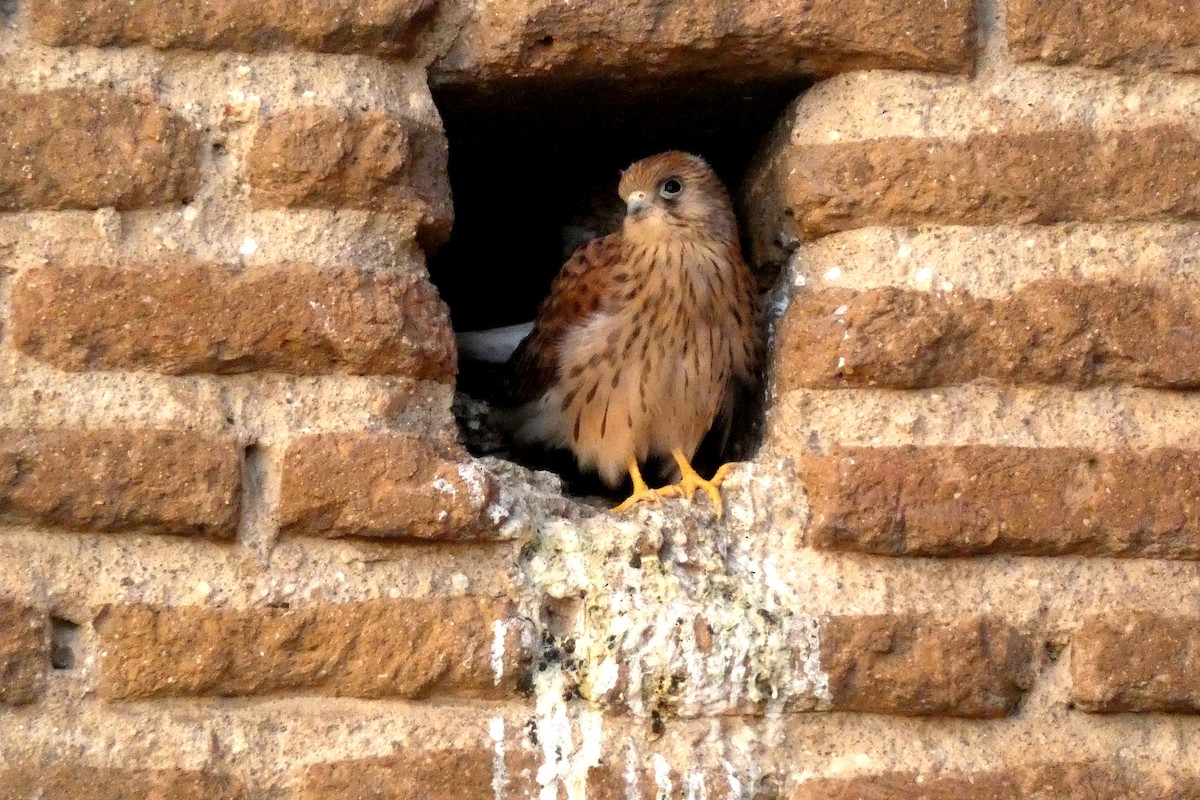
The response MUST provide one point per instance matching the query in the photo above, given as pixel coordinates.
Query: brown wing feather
(577, 292)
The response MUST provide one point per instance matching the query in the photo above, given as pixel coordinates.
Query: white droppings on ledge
(662, 776)
(499, 770)
(499, 634)
(473, 476)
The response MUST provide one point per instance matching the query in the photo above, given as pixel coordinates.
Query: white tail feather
(493, 346)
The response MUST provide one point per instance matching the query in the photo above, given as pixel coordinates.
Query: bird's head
(674, 195)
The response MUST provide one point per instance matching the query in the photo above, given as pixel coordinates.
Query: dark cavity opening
(64, 642)
(534, 168)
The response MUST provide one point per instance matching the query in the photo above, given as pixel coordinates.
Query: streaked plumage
(647, 336)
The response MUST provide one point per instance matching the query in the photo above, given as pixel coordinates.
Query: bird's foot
(643, 495)
(641, 492)
(690, 481)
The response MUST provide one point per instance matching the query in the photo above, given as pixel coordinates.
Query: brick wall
(242, 554)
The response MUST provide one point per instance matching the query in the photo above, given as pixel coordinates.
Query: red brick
(292, 318)
(108, 480)
(83, 149)
(1136, 661)
(372, 649)
(671, 38)
(1155, 34)
(24, 653)
(62, 782)
(1090, 780)
(916, 666)
(387, 27)
(1048, 176)
(385, 486)
(1051, 331)
(975, 500)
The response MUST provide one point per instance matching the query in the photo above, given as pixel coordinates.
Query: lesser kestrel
(647, 336)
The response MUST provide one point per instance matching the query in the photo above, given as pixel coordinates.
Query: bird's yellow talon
(641, 492)
(690, 481)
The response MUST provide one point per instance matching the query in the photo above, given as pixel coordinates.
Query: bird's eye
(672, 188)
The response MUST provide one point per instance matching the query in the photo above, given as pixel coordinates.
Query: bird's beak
(637, 203)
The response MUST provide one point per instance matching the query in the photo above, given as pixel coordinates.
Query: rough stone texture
(83, 149)
(1044, 177)
(1148, 34)
(329, 158)
(385, 27)
(1092, 780)
(974, 500)
(1075, 333)
(449, 774)
(918, 666)
(385, 486)
(292, 318)
(24, 653)
(504, 39)
(99, 783)
(373, 649)
(164, 481)
(1136, 661)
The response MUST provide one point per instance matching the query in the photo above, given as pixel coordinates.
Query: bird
(648, 336)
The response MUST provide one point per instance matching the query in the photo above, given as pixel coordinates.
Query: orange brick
(84, 149)
(975, 500)
(915, 665)
(341, 26)
(1063, 175)
(164, 481)
(24, 653)
(1136, 661)
(291, 318)
(1159, 34)
(1050, 331)
(373, 649)
(385, 486)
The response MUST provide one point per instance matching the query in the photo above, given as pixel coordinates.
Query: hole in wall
(534, 168)
(64, 643)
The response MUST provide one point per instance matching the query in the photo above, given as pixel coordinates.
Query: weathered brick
(1051, 331)
(1136, 661)
(387, 27)
(24, 653)
(61, 782)
(325, 157)
(108, 480)
(1156, 34)
(83, 149)
(372, 649)
(470, 773)
(465, 773)
(662, 38)
(1048, 176)
(915, 666)
(1090, 780)
(385, 486)
(974, 500)
(292, 318)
